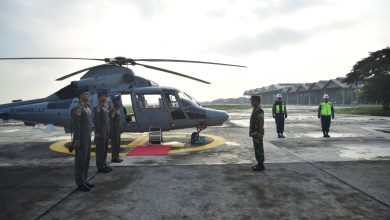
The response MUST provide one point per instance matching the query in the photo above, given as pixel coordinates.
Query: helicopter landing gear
(196, 138)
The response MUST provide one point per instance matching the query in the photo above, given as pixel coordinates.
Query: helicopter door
(174, 107)
(128, 110)
(150, 110)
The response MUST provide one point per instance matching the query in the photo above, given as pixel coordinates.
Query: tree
(374, 72)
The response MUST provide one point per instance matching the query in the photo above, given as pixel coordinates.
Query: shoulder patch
(97, 109)
(78, 111)
(113, 114)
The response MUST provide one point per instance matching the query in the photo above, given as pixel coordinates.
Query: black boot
(116, 160)
(83, 188)
(258, 167)
(90, 185)
(104, 170)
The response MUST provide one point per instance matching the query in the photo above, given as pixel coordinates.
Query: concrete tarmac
(306, 177)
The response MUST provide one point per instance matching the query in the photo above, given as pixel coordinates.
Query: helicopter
(154, 108)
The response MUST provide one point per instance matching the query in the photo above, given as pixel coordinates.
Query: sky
(281, 41)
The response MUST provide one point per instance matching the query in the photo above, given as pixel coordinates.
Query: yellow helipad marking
(142, 139)
(60, 147)
(217, 141)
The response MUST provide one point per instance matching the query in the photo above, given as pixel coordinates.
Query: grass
(129, 108)
(374, 110)
(234, 107)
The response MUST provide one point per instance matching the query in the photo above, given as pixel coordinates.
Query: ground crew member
(81, 126)
(115, 129)
(101, 122)
(279, 112)
(256, 131)
(325, 112)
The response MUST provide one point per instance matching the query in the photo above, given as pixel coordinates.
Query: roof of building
(318, 85)
(337, 83)
(300, 87)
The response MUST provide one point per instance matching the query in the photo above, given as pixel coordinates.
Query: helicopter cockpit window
(192, 107)
(187, 100)
(174, 107)
(172, 103)
(149, 101)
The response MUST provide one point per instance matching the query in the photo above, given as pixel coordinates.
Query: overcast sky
(279, 40)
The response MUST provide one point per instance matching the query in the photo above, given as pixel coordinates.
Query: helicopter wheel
(195, 135)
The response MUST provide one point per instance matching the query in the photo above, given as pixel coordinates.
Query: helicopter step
(155, 135)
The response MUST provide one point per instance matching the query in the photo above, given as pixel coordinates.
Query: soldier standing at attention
(101, 122)
(256, 131)
(115, 129)
(279, 112)
(325, 111)
(81, 126)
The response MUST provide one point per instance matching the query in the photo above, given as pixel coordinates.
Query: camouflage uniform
(81, 125)
(101, 123)
(257, 114)
(115, 132)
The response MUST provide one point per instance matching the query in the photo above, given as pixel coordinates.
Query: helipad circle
(178, 147)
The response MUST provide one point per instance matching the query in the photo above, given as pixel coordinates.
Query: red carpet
(159, 150)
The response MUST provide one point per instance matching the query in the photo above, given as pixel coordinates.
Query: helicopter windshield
(187, 100)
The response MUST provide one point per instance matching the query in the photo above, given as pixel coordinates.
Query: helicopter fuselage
(148, 105)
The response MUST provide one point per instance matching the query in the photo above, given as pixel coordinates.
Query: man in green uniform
(279, 112)
(81, 126)
(256, 131)
(325, 112)
(101, 122)
(115, 129)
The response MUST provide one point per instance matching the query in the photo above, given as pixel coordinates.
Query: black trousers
(279, 120)
(325, 122)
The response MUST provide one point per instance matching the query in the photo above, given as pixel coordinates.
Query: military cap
(82, 90)
(101, 92)
(116, 97)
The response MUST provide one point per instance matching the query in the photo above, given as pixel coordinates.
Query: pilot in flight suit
(115, 129)
(101, 122)
(81, 126)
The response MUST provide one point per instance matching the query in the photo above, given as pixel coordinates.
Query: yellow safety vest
(326, 108)
(278, 108)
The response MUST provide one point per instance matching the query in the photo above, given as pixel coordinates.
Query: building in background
(309, 93)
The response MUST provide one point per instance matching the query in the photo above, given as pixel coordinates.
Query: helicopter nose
(216, 117)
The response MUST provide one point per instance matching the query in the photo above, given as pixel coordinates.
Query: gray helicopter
(154, 108)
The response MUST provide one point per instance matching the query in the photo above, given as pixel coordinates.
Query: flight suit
(115, 132)
(326, 112)
(81, 126)
(101, 122)
(279, 112)
(257, 114)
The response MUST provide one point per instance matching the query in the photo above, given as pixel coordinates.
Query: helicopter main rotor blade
(172, 72)
(77, 72)
(187, 61)
(49, 58)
